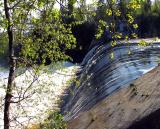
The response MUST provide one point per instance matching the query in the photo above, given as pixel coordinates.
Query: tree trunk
(12, 66)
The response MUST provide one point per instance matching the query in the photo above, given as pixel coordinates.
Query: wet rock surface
(136, 106)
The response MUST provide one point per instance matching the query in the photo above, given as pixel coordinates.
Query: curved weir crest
(106, 69)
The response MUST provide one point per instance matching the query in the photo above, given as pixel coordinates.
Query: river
(42, 91)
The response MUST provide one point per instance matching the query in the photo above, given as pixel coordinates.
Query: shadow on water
(106, 69)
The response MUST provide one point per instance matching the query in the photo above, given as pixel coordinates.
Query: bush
(54, 121)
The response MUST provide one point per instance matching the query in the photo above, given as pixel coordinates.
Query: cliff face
(136, 106)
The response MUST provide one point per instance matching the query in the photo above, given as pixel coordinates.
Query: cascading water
(41, 91)
(106, 69)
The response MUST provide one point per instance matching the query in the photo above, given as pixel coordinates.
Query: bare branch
(23, 98)
(15, 5)
(62, 5)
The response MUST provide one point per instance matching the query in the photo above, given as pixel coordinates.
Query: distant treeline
(149, 26)
(147, 18)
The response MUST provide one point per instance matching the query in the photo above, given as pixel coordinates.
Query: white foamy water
(41, 92)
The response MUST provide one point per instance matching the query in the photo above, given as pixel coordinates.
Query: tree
(117, 13)
(12, 60)
(146, 7)
(41, 31)
(54, 38)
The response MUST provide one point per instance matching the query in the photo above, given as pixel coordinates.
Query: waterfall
(106, 69)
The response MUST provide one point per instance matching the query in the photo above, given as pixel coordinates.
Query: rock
(133, 107)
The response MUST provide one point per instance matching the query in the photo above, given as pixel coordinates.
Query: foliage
(55, 121)
(148, 18)
(52, 39)
(118, 13)
(49, 39)
(156, 8)
(45, 33)
(43, 36)
(3, 45)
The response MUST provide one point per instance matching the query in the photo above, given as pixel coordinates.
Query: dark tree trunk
(12, 66)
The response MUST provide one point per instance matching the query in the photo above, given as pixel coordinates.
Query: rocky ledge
(136, 106)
